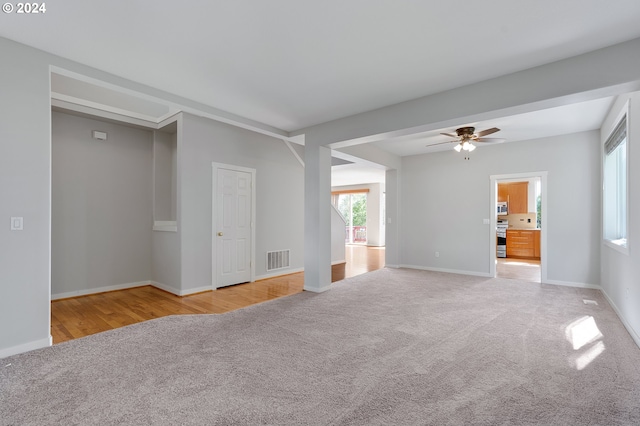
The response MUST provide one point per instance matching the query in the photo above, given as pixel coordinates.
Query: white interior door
(232, 227)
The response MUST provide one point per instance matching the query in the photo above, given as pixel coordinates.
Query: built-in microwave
(502, 208)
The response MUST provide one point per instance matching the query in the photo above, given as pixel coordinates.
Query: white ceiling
(291, 64)
(562, 120)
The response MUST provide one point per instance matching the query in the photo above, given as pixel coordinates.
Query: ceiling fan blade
(489, 140)
(441, 143)
(451, 135)
(487, 132)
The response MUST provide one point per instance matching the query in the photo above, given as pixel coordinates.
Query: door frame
(494, 218)
(214, 187)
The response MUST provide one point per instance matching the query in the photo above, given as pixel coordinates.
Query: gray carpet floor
(389, 347)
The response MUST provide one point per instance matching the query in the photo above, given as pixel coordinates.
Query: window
(352, 205)
(615, 186)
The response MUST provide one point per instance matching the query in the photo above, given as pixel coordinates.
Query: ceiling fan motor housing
(465, 132)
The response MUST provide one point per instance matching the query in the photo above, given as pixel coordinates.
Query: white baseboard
(195, 290)
(632, 332)
(96, 290)
(165, 287)
(572, 284)
(336, 262)
(317, 290)
(449, 271)
(177, 292)
(26, 347)
(279, 273)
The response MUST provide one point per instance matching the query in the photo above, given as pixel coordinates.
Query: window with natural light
(615, 186)
(352, 205)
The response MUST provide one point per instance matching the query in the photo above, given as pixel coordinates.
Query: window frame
(622, 248)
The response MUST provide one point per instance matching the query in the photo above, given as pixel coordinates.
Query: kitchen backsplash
(520, 220)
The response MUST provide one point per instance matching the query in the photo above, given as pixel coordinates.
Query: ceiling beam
(605, 72)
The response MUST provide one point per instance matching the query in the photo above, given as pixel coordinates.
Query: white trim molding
(87, 291)
(317, 290)
(448, 271)
(26, 347)
(543, 175)
(572, 284)
(279, 273)
(177, 292)
(165, 225)
(165, 287)
(627, 325)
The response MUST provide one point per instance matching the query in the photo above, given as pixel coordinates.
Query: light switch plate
(16, 223)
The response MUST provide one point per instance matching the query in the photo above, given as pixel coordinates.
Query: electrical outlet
(437, 254)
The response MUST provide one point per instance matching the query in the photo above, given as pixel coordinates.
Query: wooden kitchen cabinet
(516, 194)
(523, 243)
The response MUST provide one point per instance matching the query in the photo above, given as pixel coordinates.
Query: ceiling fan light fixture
(467, 137)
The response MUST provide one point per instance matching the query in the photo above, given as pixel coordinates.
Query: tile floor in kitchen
(518, 269)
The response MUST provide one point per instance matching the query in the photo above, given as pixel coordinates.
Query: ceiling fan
(466, 136)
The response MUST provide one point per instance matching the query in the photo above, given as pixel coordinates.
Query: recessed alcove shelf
(164, 178)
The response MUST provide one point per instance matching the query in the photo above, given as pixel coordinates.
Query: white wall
(101, 206)
(445, 199)
(279, 194)
(620, 271)
(392, 215)
(338, 226)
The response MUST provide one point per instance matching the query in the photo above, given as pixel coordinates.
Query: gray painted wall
(101, 205)
(25, 159)
(165, 260)
(445, 198)
(620, 271)
(165, 246)
(164, 173)
(279, 194)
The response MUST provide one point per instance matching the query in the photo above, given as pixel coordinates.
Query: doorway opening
(353, 207)
(518, 226)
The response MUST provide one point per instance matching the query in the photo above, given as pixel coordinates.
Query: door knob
(219, 234)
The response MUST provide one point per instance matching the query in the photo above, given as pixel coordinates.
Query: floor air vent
(277, 259)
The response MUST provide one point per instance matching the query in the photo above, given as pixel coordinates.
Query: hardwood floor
(85, 315)
(361, 259)
(519, 269)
